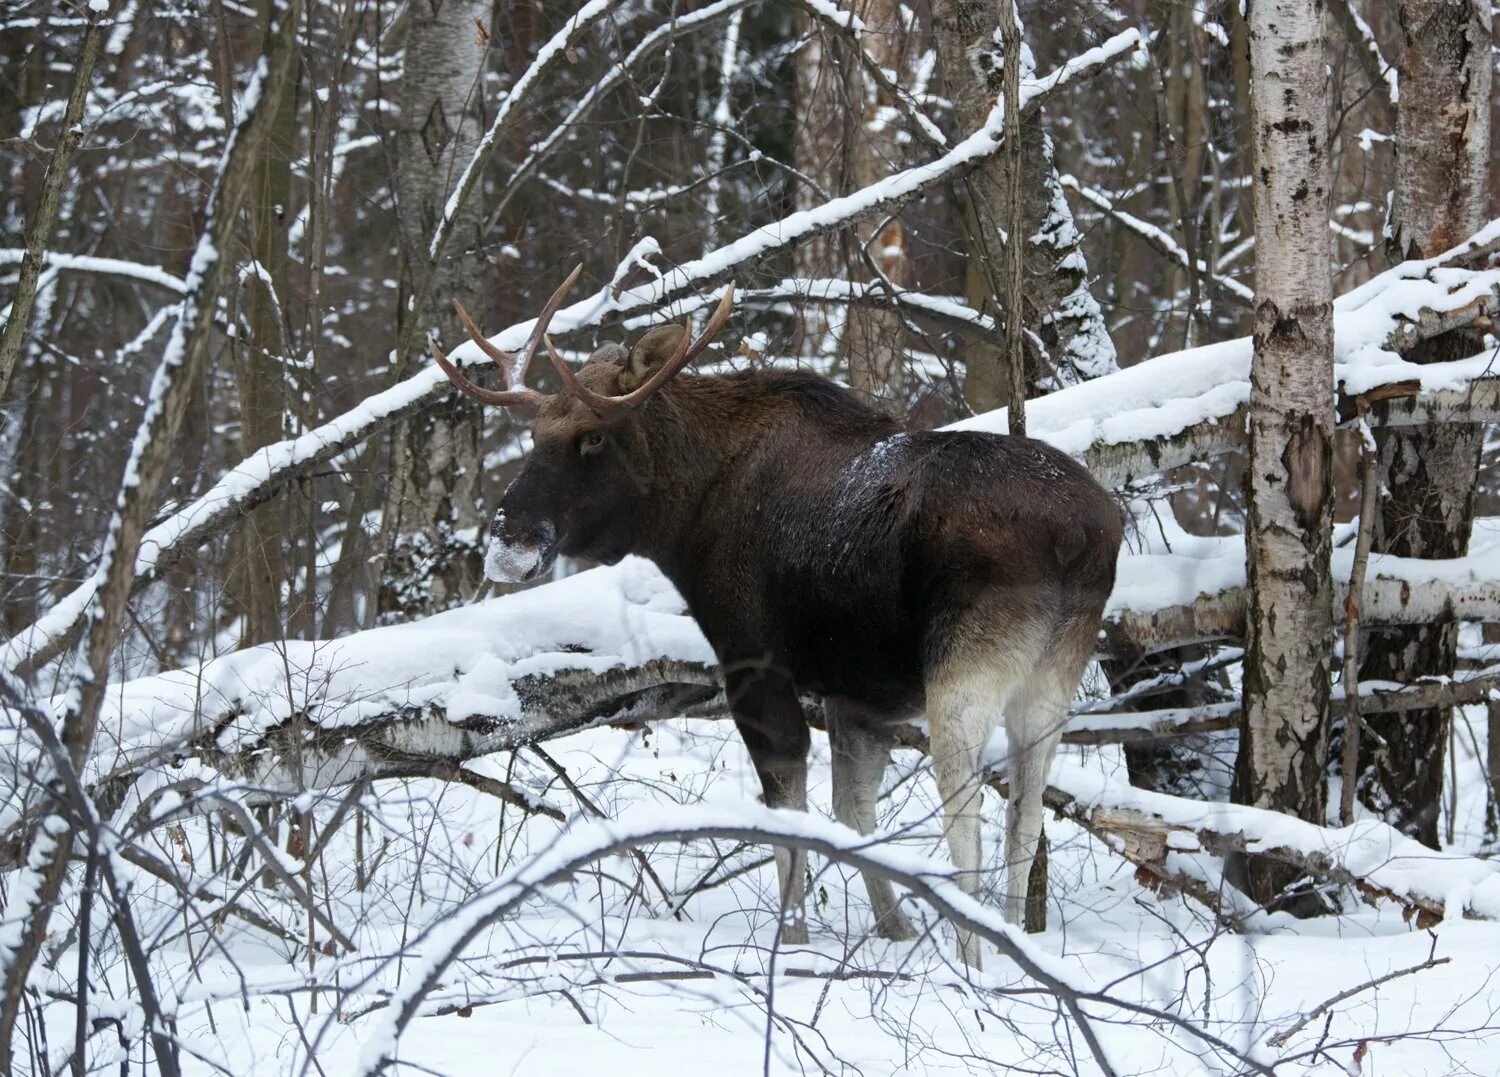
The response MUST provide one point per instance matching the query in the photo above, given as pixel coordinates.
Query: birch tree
(431, 516)
(1289, 627)
(1441, 195)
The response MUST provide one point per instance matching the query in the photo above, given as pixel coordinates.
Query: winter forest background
(288, 788)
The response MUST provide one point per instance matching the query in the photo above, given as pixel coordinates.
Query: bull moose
(824, 551)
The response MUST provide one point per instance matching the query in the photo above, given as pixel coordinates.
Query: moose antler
(512, 367)
(686, 352)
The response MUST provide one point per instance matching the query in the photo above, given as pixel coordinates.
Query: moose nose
(517, 555)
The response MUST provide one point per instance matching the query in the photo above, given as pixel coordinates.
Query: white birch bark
(1289, 630)
(431, 517)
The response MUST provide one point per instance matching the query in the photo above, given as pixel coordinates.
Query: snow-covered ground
(533, 1006)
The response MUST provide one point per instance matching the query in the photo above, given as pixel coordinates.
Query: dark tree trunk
(1442, 159)
(1060, 310)
(258, 568)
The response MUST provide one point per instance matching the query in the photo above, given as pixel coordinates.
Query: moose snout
(517, 554)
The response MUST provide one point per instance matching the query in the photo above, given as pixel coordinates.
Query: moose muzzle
(518, 555)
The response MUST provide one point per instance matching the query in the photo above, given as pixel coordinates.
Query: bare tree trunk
(1289, 627)
(57, 173)
(39, 230)
(875, 338)
(839, 145)
(50, 847)
(1060, 310)
(820, 141)
(1442, 160)
(431, 510)
(257, 568)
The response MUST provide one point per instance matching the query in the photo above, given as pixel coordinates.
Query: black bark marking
(1308, 462)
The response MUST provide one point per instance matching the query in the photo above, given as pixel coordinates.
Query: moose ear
(648, 355)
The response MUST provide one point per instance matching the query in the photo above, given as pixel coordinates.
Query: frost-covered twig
(1227, 287)
(440, 945)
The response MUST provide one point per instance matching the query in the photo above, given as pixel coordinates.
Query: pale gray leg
(1034, 727)
(861, 754)
(789, 790)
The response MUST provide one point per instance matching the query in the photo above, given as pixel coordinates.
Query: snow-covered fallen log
(1197, 592)
(1189, 405)
(1157, 832)
(1375, 697)
(609, 645)
(616, 644)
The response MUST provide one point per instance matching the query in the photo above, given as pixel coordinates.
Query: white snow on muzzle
(507, 563)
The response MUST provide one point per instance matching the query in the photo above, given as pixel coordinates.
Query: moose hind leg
(861, 753)
(963, 708)
(785, 786)
(1034, 726)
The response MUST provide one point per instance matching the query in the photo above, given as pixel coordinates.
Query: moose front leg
(774, 729)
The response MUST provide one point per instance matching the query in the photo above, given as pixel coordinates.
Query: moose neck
(694, 430)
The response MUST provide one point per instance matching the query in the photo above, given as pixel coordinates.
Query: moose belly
(858, 658)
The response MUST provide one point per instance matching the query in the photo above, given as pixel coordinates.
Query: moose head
(578, 491)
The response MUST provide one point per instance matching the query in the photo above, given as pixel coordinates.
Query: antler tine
(513, 367)
(595, 402)
(526, 398)
(501, 358)
(685, 354)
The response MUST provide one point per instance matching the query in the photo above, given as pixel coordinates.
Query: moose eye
(593, 441)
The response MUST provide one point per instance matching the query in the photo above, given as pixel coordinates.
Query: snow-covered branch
(270, 470)
(1165, 600)
(1164, 244)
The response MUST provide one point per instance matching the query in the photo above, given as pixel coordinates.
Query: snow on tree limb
(1170, 600)
(270, 470)
(1226, 286)
(114, 267)
(1126, 426)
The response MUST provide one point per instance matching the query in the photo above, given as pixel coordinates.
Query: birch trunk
(431, 519)
(1442, 151)
(1289, 627)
